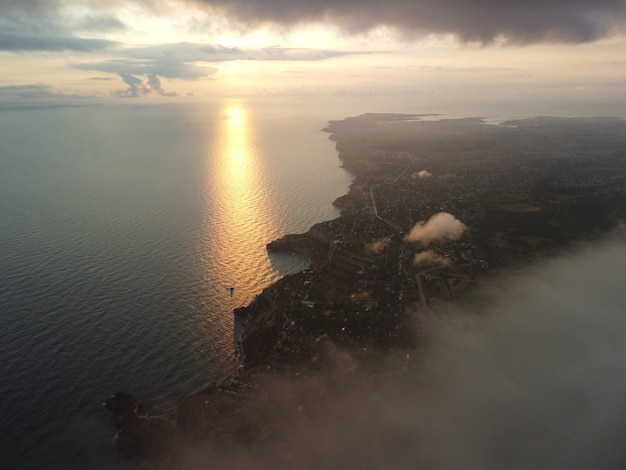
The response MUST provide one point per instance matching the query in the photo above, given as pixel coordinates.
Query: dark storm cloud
(470, 21)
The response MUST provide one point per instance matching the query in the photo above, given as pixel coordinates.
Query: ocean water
(121, 229)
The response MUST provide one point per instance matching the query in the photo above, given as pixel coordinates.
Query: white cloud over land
(429, 257)
(441, 226)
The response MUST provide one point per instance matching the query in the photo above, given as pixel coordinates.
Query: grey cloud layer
(19, 42)
(42, 26)
(478, 20)
(180, 60)
(33, 90)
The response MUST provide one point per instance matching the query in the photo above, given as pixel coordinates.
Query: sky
(479, 51)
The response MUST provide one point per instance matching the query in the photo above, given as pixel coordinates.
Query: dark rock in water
(121, 403)
(142, 430)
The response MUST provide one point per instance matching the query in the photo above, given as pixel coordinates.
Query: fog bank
(529, 373)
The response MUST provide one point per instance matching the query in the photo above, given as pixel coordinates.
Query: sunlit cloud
(441, 226)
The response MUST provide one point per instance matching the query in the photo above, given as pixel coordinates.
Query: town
(519, 190)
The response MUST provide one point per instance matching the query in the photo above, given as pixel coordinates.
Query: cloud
(189, 51)
(186, 60)
(439, 227)
(479, 21)
(166, 67)
(31, 6)
(431, 258)
(527, 375)
(20, 42)
(12, 95)
(45, 26)
(378, 245)
(135, 88)
(155, 84)
(482, 21)
(30, 91)
(101, 23)
(422, 174)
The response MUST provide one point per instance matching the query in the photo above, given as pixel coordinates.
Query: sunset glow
(190, 51)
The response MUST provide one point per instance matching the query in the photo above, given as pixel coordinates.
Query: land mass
(436, 206)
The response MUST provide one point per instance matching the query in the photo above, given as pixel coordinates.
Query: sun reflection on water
(245, 221)
(241, 215)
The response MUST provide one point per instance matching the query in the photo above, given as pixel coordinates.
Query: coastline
(146, 432)
(356, 294)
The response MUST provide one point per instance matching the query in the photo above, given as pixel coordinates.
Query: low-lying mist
(530, 373)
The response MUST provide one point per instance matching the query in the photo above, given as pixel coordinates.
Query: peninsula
(436, 206)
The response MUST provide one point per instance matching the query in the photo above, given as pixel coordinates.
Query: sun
(228, 42)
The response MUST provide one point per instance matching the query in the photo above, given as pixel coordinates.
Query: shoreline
(355, 295)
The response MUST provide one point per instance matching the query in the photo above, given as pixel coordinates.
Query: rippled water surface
(121, 229)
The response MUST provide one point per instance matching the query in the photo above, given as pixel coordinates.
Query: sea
(123, 229)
